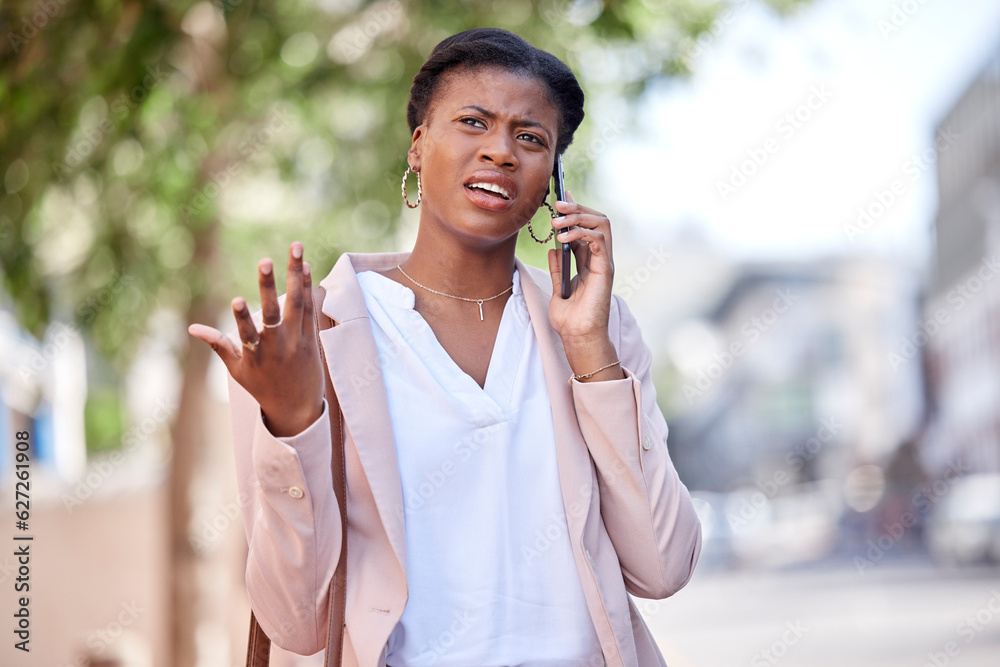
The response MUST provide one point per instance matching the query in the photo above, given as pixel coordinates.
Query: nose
(498, 149)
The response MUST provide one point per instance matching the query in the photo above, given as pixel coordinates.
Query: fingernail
(562, 236)
(266, 268)
(305, 268)
(296, 251)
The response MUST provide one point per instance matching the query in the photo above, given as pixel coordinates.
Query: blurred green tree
(152, 152)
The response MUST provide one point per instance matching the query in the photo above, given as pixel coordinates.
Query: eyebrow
(520, 121)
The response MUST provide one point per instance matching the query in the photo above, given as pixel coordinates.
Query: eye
(532, 137)
(472, 121)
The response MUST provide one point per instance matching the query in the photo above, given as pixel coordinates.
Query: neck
(461, 270)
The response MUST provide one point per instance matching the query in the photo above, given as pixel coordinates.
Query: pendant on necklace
(480, 302)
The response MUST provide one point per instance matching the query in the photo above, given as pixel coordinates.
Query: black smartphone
(560, 188)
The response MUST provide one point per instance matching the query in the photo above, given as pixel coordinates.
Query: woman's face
(486, 130)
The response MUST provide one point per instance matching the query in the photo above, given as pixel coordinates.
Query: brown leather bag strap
(338, 466)
(258, 643)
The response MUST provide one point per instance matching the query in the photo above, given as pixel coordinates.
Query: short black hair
(495, 47)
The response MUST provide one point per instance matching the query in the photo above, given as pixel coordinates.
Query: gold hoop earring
(551, 231)
(420, 190)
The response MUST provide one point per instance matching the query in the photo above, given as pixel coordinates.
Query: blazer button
(646, 442)
(296, 492)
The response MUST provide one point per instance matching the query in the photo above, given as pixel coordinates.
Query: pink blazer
(631, 521)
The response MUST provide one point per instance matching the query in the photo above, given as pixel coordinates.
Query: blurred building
(961, 319)
(785, 386)
(786, 375)
(43, 389)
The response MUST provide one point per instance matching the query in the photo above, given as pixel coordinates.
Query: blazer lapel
(356, 372)
(572, 457)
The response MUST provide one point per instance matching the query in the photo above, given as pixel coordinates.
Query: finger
(569, 196)
(567, 222)
(570, 208)
(269, 310)
(582, 234)
(596, 221)
(561, 222)
(223, 345)
(294, 296)
(308, 316)
(244, 322)
(588, 245)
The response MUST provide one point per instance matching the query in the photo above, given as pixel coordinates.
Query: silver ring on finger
(250, 346)
(272, 326)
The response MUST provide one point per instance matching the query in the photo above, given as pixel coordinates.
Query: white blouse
(491, 575)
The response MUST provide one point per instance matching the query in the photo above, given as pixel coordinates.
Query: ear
(413, 155)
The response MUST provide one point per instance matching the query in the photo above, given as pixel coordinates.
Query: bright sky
(877, 90)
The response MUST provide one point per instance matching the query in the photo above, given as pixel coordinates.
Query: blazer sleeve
(646, 509)
(291, 518)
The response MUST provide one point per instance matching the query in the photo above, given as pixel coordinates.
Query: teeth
(492, 188)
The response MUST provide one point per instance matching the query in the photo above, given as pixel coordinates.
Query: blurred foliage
(103, 419)
(152, 152)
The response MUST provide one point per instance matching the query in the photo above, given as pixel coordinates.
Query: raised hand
(584, 315)
(280, 364)
(582, 319)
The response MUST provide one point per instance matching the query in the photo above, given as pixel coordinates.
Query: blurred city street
(897, 614)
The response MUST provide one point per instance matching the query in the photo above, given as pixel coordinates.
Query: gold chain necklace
(479, 301)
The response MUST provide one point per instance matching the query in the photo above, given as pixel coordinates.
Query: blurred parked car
(964, 525)
(797, 525)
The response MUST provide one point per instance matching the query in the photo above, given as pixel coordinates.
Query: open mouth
(490, 189)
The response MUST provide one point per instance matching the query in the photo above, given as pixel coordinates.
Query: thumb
(223, 345)
(555, 271)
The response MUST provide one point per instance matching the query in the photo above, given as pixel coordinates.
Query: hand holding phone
(560, 189)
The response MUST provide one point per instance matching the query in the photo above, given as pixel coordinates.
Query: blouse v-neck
(492, 400)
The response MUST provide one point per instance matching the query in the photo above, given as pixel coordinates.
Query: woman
(507, 467)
